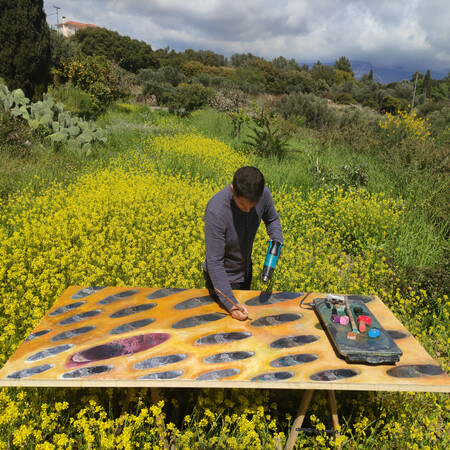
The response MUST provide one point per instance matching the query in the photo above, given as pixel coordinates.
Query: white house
(69, 28)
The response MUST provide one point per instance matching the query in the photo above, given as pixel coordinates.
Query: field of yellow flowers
(138, 221)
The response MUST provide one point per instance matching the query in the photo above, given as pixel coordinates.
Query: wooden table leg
(302, 412)
(299, 419)
(333, 409)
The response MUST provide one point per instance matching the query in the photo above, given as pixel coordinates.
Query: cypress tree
(426, 86)
(24, 46)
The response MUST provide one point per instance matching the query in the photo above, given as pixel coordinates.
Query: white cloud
(403, 33)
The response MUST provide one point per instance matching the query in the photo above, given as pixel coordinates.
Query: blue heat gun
(273, 253)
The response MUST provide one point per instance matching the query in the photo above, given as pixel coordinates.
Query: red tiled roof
(77, 24)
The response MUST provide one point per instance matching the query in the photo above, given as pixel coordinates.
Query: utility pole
(57, 15)
(414, 94)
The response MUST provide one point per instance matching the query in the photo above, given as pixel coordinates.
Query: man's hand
(239, 312)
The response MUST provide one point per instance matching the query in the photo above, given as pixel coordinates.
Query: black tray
(364, 349)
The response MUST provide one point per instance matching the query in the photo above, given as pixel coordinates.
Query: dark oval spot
(132, 310)
(37, 334)
(126, 327)
(87, 371)
(86, 292)
(48, 352)
(334, 374)
(228, 357)
(274, 376)
(361, 298)
(66, 308)
(24, 373)
(269, 298)
(79, 317)
(278, 319)
(72, 333)
(223, 338)
(218, 374)
(159, 361)
(164, 293)
(294, 341)
(293, 360)
(117, 297)
(198, 320)
(120, 347)
(394, 334)
(414, 371)
(162, 375)
(195, 302)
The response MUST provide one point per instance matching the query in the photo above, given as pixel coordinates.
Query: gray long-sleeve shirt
(229, 236)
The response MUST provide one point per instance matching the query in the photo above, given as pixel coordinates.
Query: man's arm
(215, 254)
(271, 218)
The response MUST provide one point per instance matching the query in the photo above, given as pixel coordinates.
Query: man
(232, 218)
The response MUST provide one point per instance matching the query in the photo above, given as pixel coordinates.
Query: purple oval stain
(120, 347)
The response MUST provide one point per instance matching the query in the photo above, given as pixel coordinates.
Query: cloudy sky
(407, 34)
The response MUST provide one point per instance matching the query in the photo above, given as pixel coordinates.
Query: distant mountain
(385, 75)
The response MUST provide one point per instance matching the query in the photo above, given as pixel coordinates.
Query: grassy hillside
(131, 214)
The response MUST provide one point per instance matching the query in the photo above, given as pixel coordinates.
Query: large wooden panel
(172, 337)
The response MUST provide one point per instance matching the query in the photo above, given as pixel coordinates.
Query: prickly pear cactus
(58, 125)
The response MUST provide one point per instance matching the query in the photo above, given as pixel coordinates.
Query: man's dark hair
(248, 182)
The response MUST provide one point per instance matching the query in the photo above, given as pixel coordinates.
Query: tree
(130, 54)
(343, 64)
(24, 46)
(62, 48)
(426, 86)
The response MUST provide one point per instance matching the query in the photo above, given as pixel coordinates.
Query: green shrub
(392, 104)
(268, 140)
(344, 98)
(103, 80)
(15, 136)
(188, 98)
(75, 100)
(314, 109)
